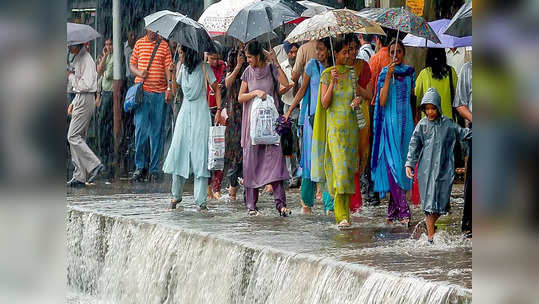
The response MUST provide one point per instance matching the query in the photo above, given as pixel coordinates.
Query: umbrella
(461, 23)
(332, 23)
(218, 16)
(401, 20)
(262, 17)
(447, 41)
(313, 8)
(180, 28)
(80, 33)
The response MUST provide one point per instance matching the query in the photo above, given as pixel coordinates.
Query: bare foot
(306, 210)
(268, 189)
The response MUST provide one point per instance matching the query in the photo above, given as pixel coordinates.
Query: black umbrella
(461, 24)
(180, 28)
(263, 17)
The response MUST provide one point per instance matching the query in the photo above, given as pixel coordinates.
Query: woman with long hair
(308, 94)
(439, 75)
(237, 64)
(188, 153)
(262, 164)
(393, 127)
(335, 134)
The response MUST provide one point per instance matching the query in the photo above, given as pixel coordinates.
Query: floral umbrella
(332, 23)
(218, 16)
(401, 20)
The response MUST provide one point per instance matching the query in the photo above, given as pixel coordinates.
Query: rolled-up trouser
(251, 196)
(148, 127)
(84, 159)
(199, 191)
(308, 191)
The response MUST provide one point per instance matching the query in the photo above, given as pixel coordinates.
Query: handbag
(134, 96)
(360, 118)
(286, 136)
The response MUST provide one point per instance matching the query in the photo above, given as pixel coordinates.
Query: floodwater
(383, 263)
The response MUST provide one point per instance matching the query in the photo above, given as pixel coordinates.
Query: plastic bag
(216, 148)
(263, 118)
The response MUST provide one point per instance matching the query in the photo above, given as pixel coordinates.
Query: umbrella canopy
(331, 23)
(447, 41)
(80, 33)
(262, 17)
(313, 8)
(180, 28)
(461, 23)
(402, 20)
(218, 16)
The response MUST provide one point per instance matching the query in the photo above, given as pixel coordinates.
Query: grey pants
(84, 159)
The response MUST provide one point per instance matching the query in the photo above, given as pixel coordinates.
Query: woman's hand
(70, 109)
(261, 94)
(217, 119)
(271, 56)
(286, 115)
(356, 102)
(391, 68)
(409, 172)
(334, 75)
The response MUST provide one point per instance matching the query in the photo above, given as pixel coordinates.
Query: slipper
(343, 224)
(253, 213)
(174, 203)
(285, 212)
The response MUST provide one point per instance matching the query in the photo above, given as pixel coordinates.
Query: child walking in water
(432, 146)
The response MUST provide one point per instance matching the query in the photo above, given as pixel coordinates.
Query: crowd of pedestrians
(363, 126)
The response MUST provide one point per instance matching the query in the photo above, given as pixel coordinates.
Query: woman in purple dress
(262, 164)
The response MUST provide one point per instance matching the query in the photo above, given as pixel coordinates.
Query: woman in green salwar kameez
(335, 134)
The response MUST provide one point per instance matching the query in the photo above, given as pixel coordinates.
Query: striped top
(156, 80)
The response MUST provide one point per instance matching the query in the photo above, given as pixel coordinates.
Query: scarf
(393, 126)
(318, 149)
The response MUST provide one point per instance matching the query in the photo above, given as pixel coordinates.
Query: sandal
(173, 204)
(343, 224)
(285, 212)
(253, 213)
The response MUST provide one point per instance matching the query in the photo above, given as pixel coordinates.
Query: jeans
(148, 127)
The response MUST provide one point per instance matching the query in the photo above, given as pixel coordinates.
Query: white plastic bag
(263, 118)
(216, 148)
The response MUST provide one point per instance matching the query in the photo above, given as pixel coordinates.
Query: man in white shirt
(365, 51)
(287, 96)
(82, 75)
(456, 57)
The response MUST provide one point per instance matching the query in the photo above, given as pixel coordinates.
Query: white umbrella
(313, 8)
(80, 33)
(218, 16)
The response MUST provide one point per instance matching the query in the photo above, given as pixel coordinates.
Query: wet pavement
(370, 242)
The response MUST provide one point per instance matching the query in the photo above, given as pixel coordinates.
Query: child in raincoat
(432, 146)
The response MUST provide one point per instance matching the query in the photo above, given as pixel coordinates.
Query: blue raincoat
(432, 147)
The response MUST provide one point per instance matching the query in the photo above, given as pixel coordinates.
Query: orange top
(156, 80)
(378, 61)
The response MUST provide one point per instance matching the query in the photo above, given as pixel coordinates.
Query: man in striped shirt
(149, 115)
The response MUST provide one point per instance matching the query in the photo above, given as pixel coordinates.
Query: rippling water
(125, 248)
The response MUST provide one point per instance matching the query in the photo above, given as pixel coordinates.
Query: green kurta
(336, 130)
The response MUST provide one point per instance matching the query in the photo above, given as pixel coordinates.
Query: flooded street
(130, 247)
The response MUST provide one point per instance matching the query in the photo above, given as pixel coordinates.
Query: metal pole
(117, 77)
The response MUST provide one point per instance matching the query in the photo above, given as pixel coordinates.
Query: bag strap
(276, 89)
(451, 86)
(153, 55)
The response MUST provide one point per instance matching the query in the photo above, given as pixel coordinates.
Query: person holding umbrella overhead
(335, 135)
(188, 153)
(262, 164)
(82, 76)
(393, 127)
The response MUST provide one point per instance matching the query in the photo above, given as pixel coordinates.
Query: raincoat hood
(432, 97)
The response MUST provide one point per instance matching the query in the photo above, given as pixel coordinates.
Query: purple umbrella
(447, 41)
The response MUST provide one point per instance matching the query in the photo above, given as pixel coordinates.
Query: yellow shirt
(425, 80)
